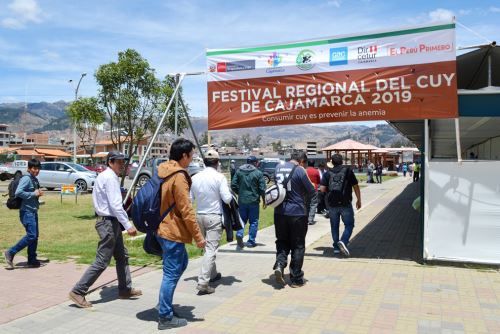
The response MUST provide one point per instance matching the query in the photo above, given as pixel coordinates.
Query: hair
(310, 163)
(211, 162)
(299, 156)
(34, 163)
(179, 147)
(322, 165)
(337, 160)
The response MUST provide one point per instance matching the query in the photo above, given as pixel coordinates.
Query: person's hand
(38, 192)
(264, 206)
(132, 231)
(201, 244)
(358, 204)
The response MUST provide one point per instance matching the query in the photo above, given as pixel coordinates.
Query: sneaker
(250, 244)
(298, 284)
(129, 293)
(239, 242)
(175, 322)
(216, 278)
(278, 274)
(8, 259)
(204, 289)
(312, 223)
(79, 300)
(343, 248)
(336, 251)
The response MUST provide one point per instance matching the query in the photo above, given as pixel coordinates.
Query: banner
(389, 75)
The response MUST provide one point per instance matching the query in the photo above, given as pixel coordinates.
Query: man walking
(209, 189)
(108, 207)
(248, 182)
(177, 229)
(378, 172)
(290, 219)
(416, 171)
(338, 184)
(312, 201)
(28, 190)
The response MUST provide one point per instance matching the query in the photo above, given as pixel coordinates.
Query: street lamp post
(74, 126)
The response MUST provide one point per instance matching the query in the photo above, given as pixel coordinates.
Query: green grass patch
(67, 231)
(362, 178)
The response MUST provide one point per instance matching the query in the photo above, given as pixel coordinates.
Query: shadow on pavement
(108, 294)
(271, 281)
(225, 280)
(395, 233)
(185, 312)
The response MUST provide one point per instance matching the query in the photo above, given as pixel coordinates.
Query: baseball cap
(251, 159)
(329, 164)
(212, 154)
(115, 155)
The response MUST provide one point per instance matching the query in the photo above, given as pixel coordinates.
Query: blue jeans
(249, 212)
(175, 261)
(347, 214)
(29, 219)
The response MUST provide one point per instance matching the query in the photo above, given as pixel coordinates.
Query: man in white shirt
(107, 199)
(209, 189)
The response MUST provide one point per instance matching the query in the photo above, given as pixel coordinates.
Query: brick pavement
(362, 294)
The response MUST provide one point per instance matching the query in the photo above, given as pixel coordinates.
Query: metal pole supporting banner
(457, 134)
(157, 131)
(176, 108)
(191, 126)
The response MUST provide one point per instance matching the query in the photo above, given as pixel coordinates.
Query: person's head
(300, 157)
(310, 163)
(252, 160)
(34, 167)
(182, 151)
(322, 165)
(211, 159)
(337, 160)
(116, 161)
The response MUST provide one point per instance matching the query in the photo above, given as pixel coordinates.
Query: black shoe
(280, 277)
(239, 242)
(216, 278)
(312, 223)
(34, 264)
(298, 284)
(249, 244)
(173, 323)
(8, 259)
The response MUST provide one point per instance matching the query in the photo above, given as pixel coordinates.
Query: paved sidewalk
(357, 295)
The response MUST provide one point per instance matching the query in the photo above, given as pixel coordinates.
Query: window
(480, 138)
(48, 166)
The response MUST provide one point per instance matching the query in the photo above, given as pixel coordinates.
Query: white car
(55, 174)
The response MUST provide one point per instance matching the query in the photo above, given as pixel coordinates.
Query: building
(7, 138)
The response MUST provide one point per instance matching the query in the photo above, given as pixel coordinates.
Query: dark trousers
(110, 245)
(29, 219)
(321, 201)
(291, 239)
(416, 176)
(379, 178)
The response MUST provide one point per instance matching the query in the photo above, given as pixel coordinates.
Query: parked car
(267, 167)
(55, 174)
(151, 165)
(4, 173)
(98, 168)
(18, 168)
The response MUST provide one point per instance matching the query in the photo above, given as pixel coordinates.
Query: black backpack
(337, 187)
(14, 202)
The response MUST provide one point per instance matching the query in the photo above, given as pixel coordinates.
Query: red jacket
(313, 175)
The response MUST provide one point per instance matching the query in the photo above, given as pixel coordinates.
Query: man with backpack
(249, 183)
(209, 190)
(25, 198)
(338, 183)
(107, 200)
(290, 218)
(178, 228)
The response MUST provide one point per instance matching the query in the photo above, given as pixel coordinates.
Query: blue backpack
(147, 203)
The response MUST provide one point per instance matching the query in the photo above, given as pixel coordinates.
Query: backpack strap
(288, 178)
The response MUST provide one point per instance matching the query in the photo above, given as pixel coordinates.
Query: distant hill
(50, 117)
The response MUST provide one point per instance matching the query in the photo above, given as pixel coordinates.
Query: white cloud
(495, 9)
(21, 13)
(441, 14)
(334, 3)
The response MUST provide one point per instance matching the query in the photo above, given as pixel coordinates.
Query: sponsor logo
(212, 68)
(421, 48)
(233, 66)
(305, 59)
(367, 54)
(338, 56)
(274, 61)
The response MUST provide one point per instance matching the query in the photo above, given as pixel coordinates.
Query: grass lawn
(363, 178)
(67, 231)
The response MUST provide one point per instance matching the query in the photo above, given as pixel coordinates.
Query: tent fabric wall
(462, 217)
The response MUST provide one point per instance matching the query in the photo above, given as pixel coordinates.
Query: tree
(134, 100)
(246, 140)
(86, 115)
(204, 138)
(256, 141)
(277, 146)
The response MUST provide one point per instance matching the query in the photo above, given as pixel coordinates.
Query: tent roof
(350, 145)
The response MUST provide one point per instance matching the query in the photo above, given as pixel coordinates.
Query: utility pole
(74, 126)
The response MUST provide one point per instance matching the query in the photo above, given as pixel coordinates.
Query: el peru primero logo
(304, 60)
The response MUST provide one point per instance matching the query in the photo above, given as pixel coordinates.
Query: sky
(45, 43)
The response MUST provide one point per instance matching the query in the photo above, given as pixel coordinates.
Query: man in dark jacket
(248, 182)
(290, 219)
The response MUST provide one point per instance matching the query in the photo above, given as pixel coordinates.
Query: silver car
(55, 174)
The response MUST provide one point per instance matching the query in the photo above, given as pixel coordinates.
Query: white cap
(212, 154)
